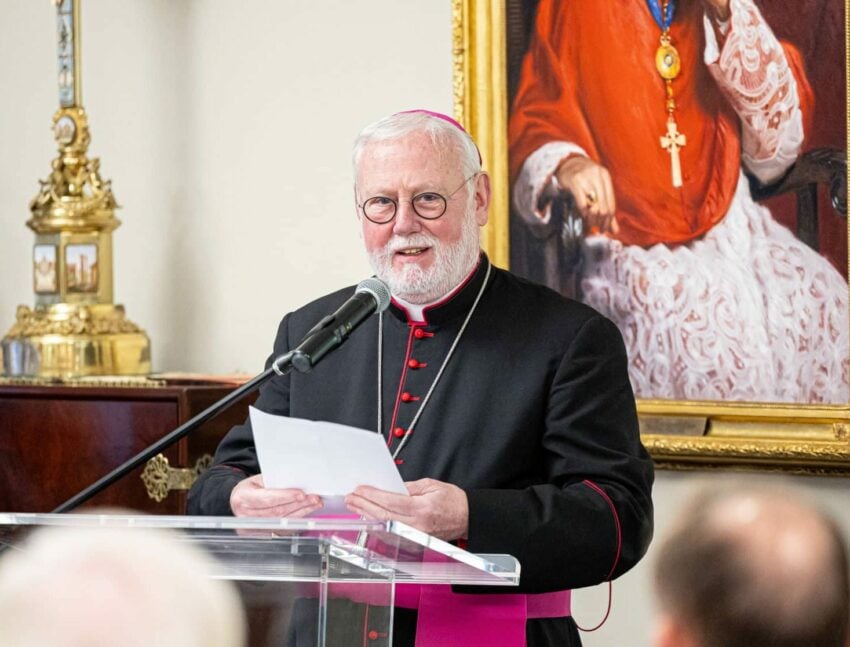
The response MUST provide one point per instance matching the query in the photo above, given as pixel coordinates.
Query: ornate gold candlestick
(74, 329)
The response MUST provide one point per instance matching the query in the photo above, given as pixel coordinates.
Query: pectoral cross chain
(672, 142)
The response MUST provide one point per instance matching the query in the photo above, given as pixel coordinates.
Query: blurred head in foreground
(96, 587)
(755, 568)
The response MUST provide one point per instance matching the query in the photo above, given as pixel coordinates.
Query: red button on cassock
(406, 397)
(413, 363)
(420, 333)
(373, 635)
(399, 461)
(398, 432)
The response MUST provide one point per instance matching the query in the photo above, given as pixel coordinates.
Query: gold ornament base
(73, 340)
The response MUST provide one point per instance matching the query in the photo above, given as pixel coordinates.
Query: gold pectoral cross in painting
(672, 142)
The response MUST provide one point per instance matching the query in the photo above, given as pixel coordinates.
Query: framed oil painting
(681, 167)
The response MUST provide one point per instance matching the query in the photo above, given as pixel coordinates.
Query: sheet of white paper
(322, 458)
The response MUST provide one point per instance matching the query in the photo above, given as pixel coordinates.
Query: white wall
(226, 129)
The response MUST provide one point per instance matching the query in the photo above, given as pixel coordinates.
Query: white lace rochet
(746, 313)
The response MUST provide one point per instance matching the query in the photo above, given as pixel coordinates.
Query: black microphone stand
(280, 366)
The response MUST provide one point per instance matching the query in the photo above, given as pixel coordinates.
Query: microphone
(372, 295)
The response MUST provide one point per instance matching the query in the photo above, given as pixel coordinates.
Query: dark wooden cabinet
(56, 440)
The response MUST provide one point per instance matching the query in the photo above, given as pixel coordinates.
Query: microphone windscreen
(378, 289)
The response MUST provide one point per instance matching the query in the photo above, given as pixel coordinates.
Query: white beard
(452, 263)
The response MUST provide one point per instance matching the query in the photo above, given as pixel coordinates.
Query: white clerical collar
(416, 311)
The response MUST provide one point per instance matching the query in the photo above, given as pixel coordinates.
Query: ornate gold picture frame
(811, 439)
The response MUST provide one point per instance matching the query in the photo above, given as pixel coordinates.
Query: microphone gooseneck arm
(372, 295)
(281, 366)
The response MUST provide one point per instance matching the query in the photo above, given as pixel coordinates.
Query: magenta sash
(448, 619)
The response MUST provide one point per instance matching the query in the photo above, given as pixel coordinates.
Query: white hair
(94, 587)
(444, 134)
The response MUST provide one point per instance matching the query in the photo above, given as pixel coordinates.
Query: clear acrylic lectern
(307, 570)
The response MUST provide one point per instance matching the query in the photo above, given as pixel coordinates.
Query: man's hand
(717, 8)
(250, 498)
(440, 509)
(590, 184)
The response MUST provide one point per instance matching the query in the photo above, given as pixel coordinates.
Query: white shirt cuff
(538, 175)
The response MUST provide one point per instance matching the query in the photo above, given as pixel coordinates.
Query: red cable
(605, 496)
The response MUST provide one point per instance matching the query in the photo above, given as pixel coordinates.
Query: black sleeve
(592, 520)
(236, 456)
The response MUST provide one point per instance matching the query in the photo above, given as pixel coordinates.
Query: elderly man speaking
(506, 406)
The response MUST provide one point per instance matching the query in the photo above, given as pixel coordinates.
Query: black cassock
(533, 417)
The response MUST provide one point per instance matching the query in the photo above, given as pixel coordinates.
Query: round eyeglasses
(428, 204)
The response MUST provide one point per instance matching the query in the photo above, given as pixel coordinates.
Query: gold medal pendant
(667, 59)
